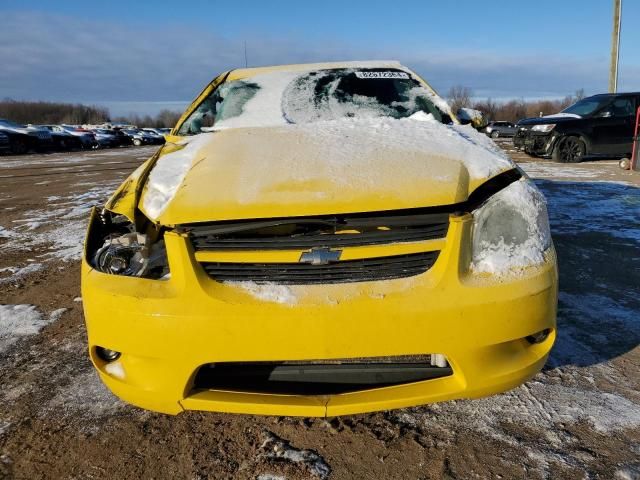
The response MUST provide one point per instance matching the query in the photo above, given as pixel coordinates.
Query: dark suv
(601, 125)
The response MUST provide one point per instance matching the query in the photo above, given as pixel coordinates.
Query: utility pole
(615, 46)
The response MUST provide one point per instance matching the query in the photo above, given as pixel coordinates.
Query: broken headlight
(511, 230)
(121, 250)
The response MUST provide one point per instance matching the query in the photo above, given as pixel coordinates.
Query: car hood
(315, 169)
(556, 118)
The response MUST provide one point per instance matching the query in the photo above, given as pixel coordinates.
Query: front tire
(495, 134)
(137, 142)
(569, 150)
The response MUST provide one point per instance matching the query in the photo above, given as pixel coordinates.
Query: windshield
(304, 97)
(588, 106)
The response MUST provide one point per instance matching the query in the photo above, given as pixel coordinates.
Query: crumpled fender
(124, 200)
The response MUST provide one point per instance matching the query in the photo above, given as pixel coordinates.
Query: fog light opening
(538, 337)
(106, 354)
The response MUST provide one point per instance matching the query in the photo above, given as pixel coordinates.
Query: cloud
(54, 57)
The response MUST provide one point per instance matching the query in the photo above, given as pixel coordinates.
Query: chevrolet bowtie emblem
(320, 256)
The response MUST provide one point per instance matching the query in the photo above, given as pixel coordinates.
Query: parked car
(62, 140)
(340, 245)
(140, 137)
(156, 133)
(5, 146)
(124, 140)
(601, 125)
(24, 138)
(106, 138)
(500, 129)
(87, 138)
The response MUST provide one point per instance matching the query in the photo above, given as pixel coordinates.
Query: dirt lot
(579, 418)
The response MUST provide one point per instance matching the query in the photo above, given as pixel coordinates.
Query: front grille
(323, 231)
(317, 377)
(362, 270)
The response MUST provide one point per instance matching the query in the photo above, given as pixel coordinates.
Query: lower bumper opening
(321, 377)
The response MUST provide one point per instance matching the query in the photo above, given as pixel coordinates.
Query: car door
(613, 127)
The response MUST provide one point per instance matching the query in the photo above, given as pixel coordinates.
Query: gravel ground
(579, 418)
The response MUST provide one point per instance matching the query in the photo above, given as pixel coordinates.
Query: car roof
(250, 72)
(618, 94)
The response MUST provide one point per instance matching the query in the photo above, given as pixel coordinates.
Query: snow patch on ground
(58, 231)
(279, 450)
(588, 207)
(14, 274)
(18, 321)
(84, 401)
(558, 170)
(628, 472)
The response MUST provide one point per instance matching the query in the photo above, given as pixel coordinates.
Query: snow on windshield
(285, 97)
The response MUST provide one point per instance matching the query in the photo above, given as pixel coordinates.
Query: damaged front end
(115, 246)
(120, 239)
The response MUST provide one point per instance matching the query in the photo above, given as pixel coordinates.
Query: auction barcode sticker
(382, 75)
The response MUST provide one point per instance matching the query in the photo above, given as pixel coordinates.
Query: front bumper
(166, 330)
(540, 144)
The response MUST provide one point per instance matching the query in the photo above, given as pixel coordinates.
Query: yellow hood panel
(297, 170)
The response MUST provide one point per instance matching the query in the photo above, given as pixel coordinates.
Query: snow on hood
(563, 115)
(298, 169)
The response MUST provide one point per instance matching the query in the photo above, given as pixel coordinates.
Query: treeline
(51, 112)
(165, 118)
(43, 113)
(512, 110)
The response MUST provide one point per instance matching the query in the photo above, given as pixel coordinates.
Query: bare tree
(489, 107)
(459, 97)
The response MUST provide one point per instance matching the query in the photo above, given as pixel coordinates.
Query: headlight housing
(547, 127)
(115, 247)
(511, 230)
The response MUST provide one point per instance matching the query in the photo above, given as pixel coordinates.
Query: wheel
(137, 142)
(19, 146)
(569, 150)
(495, 134)
(625, 164)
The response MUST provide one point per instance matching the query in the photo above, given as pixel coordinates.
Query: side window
(622, 107)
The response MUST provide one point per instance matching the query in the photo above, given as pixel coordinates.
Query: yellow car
(319, 240)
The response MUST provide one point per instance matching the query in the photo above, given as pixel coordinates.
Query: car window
(281, 98)
(588, 106)
(622, 107)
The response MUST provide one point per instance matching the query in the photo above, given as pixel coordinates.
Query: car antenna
(246, 64)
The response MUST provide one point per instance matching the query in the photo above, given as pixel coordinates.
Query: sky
(143, 56)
